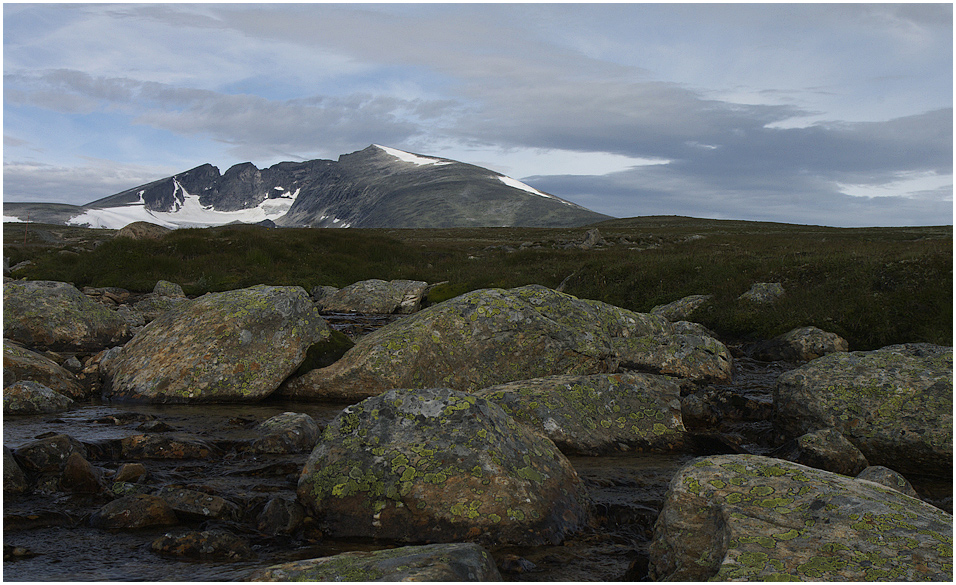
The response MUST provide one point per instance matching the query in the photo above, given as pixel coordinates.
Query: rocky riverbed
(540, 436)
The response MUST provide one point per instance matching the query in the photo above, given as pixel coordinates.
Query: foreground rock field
(460, 435)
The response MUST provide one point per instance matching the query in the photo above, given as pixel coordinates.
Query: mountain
(378, 187)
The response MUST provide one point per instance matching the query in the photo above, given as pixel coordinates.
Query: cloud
(75, 184)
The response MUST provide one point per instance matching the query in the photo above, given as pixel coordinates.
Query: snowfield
(412, 158)
(188, 213)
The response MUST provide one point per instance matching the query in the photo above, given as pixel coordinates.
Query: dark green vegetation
(873, 286)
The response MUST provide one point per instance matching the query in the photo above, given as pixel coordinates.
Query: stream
(53, 528)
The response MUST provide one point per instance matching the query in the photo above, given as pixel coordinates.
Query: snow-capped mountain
(372, 188)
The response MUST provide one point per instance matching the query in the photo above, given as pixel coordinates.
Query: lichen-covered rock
(165, 447)
(894, 404)
(142, 230)
(889, 478)
(376, 296)
(153, 306)
(26, 397)
(222, 347)
(14, 480)
(746, 517)
(433, 562)
(29, 365)
(134, 511)
(493, 336)
(800, 344)
(824, 449)
(595, 414)
(215, 544)
(763, 292)
(437, 465)
(164, 288)
(57, 316)
(48, 453)
(681, 309)
(198, 505)
(289, 432)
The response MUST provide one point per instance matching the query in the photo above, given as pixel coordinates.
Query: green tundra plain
(873, 286)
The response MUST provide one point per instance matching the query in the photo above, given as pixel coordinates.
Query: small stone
(135, 511)
(214, 544)
(81, 477)
(130, 472)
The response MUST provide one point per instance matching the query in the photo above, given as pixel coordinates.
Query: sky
(824, 114)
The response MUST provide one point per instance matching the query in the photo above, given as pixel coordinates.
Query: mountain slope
(372, 188)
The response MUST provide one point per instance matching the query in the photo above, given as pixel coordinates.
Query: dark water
(53, 528)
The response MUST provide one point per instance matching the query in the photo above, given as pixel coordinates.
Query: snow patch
(11, 219)
(188, 212)
(519, 185)
(412, 158)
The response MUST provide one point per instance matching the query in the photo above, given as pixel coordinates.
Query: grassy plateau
(873, 286)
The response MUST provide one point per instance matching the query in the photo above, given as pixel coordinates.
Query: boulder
(130, 473)
(142, 230)
(57, 316)
(198, 505)
(493, 336)
(215, 544)
(289, 432)
(763, 292)
(746, 517)
(376, 296)
(800, 344)
(153, 306)
(20, 363)
(26, 397)
(321, 292)
(81, 477)
(437, 465)
(222, 347)
(14, 479)
(889, 478)
(894, 404)
(165, 447)
(824, 449)
(164, 288)
(456, 562)
(592, 239)
(590, 415)
(280, 516)
(48, 453)
(681, 310)
(134, 511)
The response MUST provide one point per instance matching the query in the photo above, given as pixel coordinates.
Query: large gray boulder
(26, 397)
(232, 346)
(590, 415)
(894, 404)
(377, 296)
(493, 336)
(457, 562)
(746, 517)
(437, 465)
(56, 315)
(24, 364)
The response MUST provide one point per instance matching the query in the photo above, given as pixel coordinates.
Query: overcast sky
(801, 113)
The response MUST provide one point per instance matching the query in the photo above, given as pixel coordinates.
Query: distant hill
(378, 187)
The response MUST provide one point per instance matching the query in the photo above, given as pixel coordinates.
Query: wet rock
(135, 511)
(745, 517)
(125, 488)
(280, 516)
(801, 344)
(376, 296)
(493, 336)
(14, 480)
(824, 449)
(889, 478)
(215, 544)
(232, 346)
(165, 447)
(79, 476)
(26, 397)
(894, 404)
(142, 230)
(438, 465)
(198, 505)
(681, 309)
(164, 288)
(12, 553)
(516, 564)
(289, 432)
(130, 472)
(24, 364)
(49, 453)
(763, 292)
(55, 315)
(434, 562)
(589, 415)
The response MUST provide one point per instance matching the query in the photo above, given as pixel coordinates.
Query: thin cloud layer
(824, 114)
